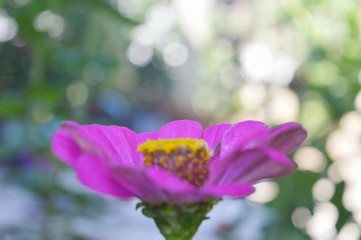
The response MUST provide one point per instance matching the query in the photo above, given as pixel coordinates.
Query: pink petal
(286, 137)
(213, 134)
(147, 135)
(139, 183)
(177, 190)
(181, 129)
(233, 190)
(238, 135)
(243, 132)
(92, 172)
(65, 147)
(168, 181)
(251, 166)
(117, 144)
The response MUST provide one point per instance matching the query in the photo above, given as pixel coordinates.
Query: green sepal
(178, 222)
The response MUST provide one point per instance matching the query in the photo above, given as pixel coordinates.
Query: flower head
(181, 163)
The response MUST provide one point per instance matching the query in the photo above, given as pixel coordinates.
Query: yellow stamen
(169, 145)
(187, 158)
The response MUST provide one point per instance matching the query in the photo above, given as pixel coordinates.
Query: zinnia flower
(181, 164)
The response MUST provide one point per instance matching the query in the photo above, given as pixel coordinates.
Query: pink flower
(181, 163)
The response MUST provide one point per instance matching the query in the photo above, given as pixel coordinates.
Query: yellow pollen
(185, 157)
(169, 145)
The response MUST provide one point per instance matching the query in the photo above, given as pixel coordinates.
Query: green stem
(178, 222)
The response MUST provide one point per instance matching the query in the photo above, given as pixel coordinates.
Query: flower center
(187, 158)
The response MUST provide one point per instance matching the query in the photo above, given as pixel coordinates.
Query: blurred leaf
(12, 107)
(344, 215)
(107, 9)
(44, 93)
(72, 60)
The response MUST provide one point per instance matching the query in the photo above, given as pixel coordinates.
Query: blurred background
(143, 63)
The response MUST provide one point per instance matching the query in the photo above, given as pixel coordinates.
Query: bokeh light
(50, 22)
(300, 217)
(8, 27)
(310, 159)
(322, 224)
(265, 192)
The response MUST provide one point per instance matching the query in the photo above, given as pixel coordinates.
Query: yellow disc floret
(187, 158)
(169, 145)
